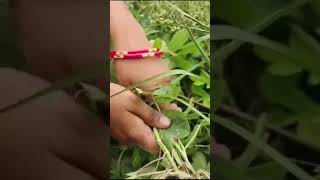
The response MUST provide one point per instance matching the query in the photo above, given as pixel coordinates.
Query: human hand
(131, 118)
(130, 72)
(50, 137)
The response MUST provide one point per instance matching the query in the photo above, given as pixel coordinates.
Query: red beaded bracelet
(112, 53)
(137, 56)
(153, 52)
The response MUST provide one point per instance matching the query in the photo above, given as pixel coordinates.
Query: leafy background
(266, 88)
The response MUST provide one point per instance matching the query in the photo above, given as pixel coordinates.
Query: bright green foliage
(179, 128)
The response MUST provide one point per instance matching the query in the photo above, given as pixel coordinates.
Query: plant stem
(146, 174)
(164, 148)
(157, 77)
(193, 137)
(148, 164)
(183, 153)
(121, 154)
(198, 45)
(282, 132)
(196, 102)
(176, 157)
(187, 15)
(176, 25)
(194, 109)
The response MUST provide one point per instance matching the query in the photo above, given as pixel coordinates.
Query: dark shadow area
(266, 60)
(53, 96)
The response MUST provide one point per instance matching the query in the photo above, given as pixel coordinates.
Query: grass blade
(157, 77)
(221, 54)
(224, 32)
(204, 54)
(271, 152)
(187, 15)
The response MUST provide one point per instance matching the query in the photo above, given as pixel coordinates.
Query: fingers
(135, 131)
(143, 136)
(148, 114)
(173, 107)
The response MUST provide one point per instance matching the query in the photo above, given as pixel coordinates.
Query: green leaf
(203, 53)
(193, 116)
(284, 91)
(204, 79)
(309, 129)
(308, 48)
(304, 46)
(281, 118)
(284, 68)
(157, 43)
(225, 170)
(243, 12)
(198, 83)
(136, 160)
(280, 64)
(224, 52)
(199, 161)
(166, 94)
(178, 129)
(304, 42)
(267, 171)
(191, 48)
(314, 79)
(219, 92)
(199, 90)
(271, 152)
(180, 62)
(179, 39)
(206, 102)
(223, 32)
(316, 7)
(192, 137)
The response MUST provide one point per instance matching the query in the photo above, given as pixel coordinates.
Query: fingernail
(179, 109)
(164, 121)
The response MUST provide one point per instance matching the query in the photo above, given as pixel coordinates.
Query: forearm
(126, 33)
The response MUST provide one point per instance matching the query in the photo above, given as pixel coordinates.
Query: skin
(53, 137)
(127, 34)
(57, 49)
(138, 117)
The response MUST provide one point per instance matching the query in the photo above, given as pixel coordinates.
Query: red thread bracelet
(112, 53)
(152, 52)
(137, 56)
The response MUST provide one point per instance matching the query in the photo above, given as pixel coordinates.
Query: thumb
(149, 115)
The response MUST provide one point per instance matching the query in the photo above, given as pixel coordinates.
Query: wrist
(126, 32)
(114, 88)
